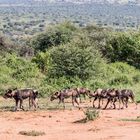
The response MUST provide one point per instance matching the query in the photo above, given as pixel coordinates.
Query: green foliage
(79, 60)
(43, 61)
(18, 72)
(136, 78)
(75, 60)
(53, 37)
(125, 48)
(116, 75)
(121, 79)
(6, 46)
(120, 74)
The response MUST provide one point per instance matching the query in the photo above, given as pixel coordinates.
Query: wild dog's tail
(132, 96)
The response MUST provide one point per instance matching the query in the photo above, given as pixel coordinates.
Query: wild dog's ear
(54, 96)
(57, 93)
(9, 91)
(88, 91)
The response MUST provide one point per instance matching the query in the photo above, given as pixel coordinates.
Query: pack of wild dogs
(110, 95)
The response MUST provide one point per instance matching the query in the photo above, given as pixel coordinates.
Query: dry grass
(32, 133)
(131, 120)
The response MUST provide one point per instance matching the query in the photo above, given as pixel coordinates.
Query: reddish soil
(59, 125)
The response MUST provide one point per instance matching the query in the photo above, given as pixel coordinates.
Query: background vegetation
(69, 56)
(25, 18)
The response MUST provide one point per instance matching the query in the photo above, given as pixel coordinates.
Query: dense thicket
(68, 56)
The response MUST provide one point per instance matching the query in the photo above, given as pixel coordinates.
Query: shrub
(18, 72)
(124, 48)
(91, 114)
(120, 74)
(43, 61)
(120, 80)
(55, 36)
(75, 60)
(136, 78)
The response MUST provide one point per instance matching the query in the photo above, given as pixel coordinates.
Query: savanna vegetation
(65, 55)
(25, 18)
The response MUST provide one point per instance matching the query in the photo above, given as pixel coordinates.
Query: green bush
(124, 48)
(18, 72)
(75, 60)
(120, 80)
(91, 114)
(43, 61)
(136, 78)
(120, 74)
(54, 36)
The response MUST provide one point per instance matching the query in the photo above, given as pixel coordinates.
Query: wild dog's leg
(99, 106)
(126, 103)
(102, 101)
(114, 101)
(34, 103)
(111, 100)
(60, 100)
(94, 101)
(80, 98)
(107, 103)
(122, 99)
(72, 100)
(29, 103)
(76, 101)
(21, 104)
(16, 106)
(84, 96)
(119, 102)
(63, 103)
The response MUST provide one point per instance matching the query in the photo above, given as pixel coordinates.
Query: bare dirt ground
(59, 125)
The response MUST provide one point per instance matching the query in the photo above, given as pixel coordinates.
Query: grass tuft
(32, 133)
(91, 114)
